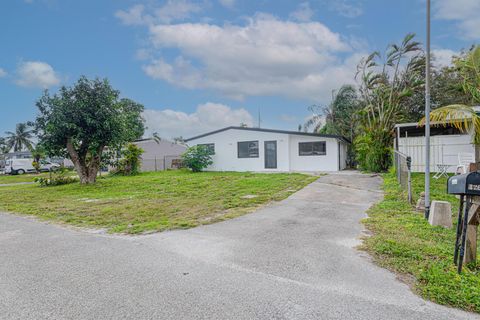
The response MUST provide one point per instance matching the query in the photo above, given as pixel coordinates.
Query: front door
(270, 154)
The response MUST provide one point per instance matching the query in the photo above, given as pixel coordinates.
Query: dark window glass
(210, 147)
(317, 148)
(248, 149)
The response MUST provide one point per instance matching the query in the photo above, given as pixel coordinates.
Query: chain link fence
(403, 170)
(161, 163)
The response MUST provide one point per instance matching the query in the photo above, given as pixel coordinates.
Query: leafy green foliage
(152, 201)
(56, 178)
(469, 69)
(197, 158)
(461, 116)
(84, 119)
(385, 85)
(130, 162)
(373, 152)
(38, 153)
(340, 117)
(403, 241)
(4, 148)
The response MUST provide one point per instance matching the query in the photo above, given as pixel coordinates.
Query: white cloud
(207, 117)
(464, 12)
(443, 57)
(227, 3)
(303, 13)
(266, 56)
(346, 8)
(132, 16)
(3, 73)
(143, 54)
(172, 10)
(36, 74)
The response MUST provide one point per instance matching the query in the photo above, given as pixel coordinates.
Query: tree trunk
(86, 173)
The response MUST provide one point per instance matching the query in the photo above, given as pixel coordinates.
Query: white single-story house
(258, 149)
(447, 143)
(159, 154)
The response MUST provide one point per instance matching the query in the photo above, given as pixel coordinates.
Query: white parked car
(21, 166)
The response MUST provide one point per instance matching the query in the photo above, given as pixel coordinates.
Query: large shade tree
(20, 139)
(82, 120)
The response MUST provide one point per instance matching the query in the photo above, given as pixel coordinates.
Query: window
(248, 149)
(210, 147)
(317, 148)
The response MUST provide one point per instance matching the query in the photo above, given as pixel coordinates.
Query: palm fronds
(462, 117)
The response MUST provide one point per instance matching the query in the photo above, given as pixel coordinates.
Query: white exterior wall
(288, 159)
(328, 162)
(443, 150)
(226, 157)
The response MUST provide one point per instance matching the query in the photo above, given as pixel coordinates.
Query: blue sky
(200, 65)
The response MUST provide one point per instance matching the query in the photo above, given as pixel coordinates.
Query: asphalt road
(290, 260)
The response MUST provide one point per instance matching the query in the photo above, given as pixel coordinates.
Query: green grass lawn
(153, 201)
(404, 242)
(6, 178)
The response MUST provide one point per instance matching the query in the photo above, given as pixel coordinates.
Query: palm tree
(340, 117)
(316, 121)
(463, 117)
(384, 85)
(20, 139)
(3, 145)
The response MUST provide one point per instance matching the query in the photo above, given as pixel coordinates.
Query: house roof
(271, 130)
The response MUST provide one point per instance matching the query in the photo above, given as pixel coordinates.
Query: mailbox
(464, 184)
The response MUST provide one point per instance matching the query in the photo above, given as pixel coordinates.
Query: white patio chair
(464, 160)
(441, 171)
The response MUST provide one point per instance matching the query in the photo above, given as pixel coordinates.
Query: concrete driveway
(290, 260)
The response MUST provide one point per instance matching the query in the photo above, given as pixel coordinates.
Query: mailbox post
(467, 186)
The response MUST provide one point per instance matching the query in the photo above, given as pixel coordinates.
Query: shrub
(197, 158)
(36, 165)
(130, 163)
(57, 178)
(374, 151)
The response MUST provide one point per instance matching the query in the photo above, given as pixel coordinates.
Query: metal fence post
(409, 175)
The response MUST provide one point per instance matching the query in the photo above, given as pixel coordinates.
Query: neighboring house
(158, 155)
(255, 149)
(446, 144)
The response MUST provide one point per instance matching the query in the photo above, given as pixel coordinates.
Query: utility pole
(427, 117)
(259, 119)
